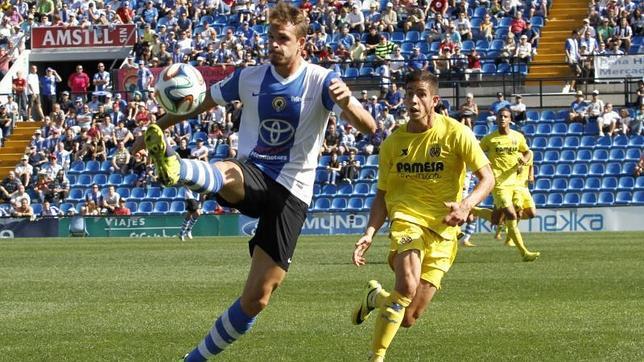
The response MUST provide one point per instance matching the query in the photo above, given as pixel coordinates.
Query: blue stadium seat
(571, 142)
(480, 130)
(521, 68)
(626, 183)
(209, 206)
(571, 199)
(639, 183)
(609, 183)
(551, 156)
(613, 168)
(539, 143)
(355, 204)
(542, 184)
(37, 208)
(576, 184)
(620, 141)
(368, 174)
(65, 207)
(75, 195)
(329, 190)
(115, 179)
(479, 11)
(606, 198)
(178, 207)
(563, 170)
(537, 21)
(560, 128)
(153, 193)
(372, 160)
(124, 192)
(361, 189)
(468, 45)
(407, 48)
(366, 72)
(92, 167)
(351, 73)
(324, 160)
(137, 194)
(603, 142)
(560, 184)
(539, 200)
(596, 169)
(632, 154)
(368, 202)
(132, 205)
(100, 179)
(338, 204)
(584, 155)
(77, 167)
(588, 199)
(592, 184)
(482, 45)
(547, 116)
(161, 207)
(591, 129)
(554, 199)
(106, 167)
(145, 208)
(567, 156)
(129, 180)
(546, 170)
(488, 68)
(636, 141)
(345, 189)
(71, 179)
(528, 130)
(412, 36)
(373, 189)
(321, 176)
(544, 129)
(434, 46)
(317, 189)
(600, 155)
(617, 154)
(322, 204)
(587, 142)
(532, 116)
(579, 169)
(503, 68)
(638, 198)
(628, 168)
(537, 156)
(623, 198)
(222, 151)
(168, 194)
(576, 129)
(500, 33)
(397, 37)
(84, 180)
(555, 142)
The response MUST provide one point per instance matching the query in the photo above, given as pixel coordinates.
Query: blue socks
(231, 325)
(201, 176)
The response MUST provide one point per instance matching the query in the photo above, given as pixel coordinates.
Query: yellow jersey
(421, 171)
(504, 152)
(523, 174)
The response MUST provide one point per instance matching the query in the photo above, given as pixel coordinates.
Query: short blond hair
(284, 13)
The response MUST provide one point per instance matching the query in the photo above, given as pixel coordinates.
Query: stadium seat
(324, 161)
(544, 129)
(623, 198)
(603, 142)
(626, 183)
(92, 167)
(368, 202)
(632, 154)
(587, 142)
(338, 204)
(542, 185)
(576, 184)
(488, 68)
(168, 194)
(620, 141)
(539, 200)
(592, 184)
(153, 193)
(638, 198)
(222, 150)
(563, 170)
(145, 208)
(616, 154)
(367, 174)
(177, 207)
(532, 116)
(555, 142)
(600, 155)
(75, 195)
(322, 204)
(355, 204)
(37, 208)
(547, 116)
(137, 194)
(482, 45)
(576, 129)
(412, 36)
(123, 192)
(77, 167)
(528, 130)
(329, 190)
(468, 45)
(115, 179)
(560, 128)
(537, 156)
(579, 169)
(571, 199)
(606, 198)
(591, 129)
(373, 189)
(209, 206)
(84, 180)
(366, 72)
(161, 208)
(65, 207)
(639, 183)
(100, 179)
(636, 141)
(480, 130)
(547, 170)
(588, 199)
(537, 21)
(609, 183)
(351, 73)
(613, 168)
(321, 176)
(539, 143)
(372, 160)
(567, 156)
(584, 155)
(361, 189)
(503, 68)
(571, 142)
(559, 184)
(129, 180)
(345, 189)
(596, 169)
(554, 200)
(628, 168)
(551, 156)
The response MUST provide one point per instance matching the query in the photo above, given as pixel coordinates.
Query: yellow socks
(378, 300)
(389, 320)
(482, 213)
(515, 235)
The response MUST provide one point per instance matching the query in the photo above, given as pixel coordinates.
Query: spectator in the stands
(23, 209)
(458, 64)
(607, 122)
(144, 80)
(333, 169)
(200, 152)
(637, 122)
(19, 88)
(578, 109)
(66, 103)
(389, 18)
(473, 66)
(101, 80)
(486, 28)
(572, 58)
(34, 107)
(124, 13)
(16, 197)
(183, 150)
(90, 208)
(52, 168)
(495, 107)
(438, 7)
(355, 19)
(539, 7)
(110, 200)
(350, 169)
(44, 187)
(331, 140)
(393, 98)
(388, 120)
(463, 26)
(60, 187)
(24, 170)
(122, 209)
(49, 89)
(49, 210)
(374, 107)
(518, 108)
(397, 64)
(122, 134)
(417, 60)
(121, 159)
(615, 48)
(8, 186)
(604, 31)
(595, 107)
(358, 55)
(524, 50)
(468, 111)
(624, 33)
(624, 122)
(79, 82)
(517, 25)
(384, 48)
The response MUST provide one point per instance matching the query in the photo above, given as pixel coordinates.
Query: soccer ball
(180, 89)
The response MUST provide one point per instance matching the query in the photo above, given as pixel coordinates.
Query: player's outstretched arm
(377, 217)
(351, 111)
(169, 120)
(459, 212)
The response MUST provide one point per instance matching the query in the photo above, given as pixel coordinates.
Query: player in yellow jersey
(508, 150)
(421, 171)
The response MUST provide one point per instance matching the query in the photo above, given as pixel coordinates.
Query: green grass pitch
(153, 299)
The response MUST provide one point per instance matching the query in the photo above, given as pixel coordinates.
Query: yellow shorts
(522, 199)
(503, 196)
(436, 253)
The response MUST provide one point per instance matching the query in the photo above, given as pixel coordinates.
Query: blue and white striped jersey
(283, 121)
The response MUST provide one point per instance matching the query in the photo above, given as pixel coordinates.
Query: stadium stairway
(15, 144)
(564, 17)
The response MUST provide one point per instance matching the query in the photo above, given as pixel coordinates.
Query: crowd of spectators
(609, 121)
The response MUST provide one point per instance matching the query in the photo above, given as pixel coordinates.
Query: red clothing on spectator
(517, 26)
(19, 84)
(125, 14)
(78, 82)
(438, 6)
(122, 211)
(473, 62)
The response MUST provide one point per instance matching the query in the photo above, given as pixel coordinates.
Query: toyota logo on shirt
(275, 132)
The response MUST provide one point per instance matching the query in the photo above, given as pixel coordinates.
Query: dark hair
(423, 76)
